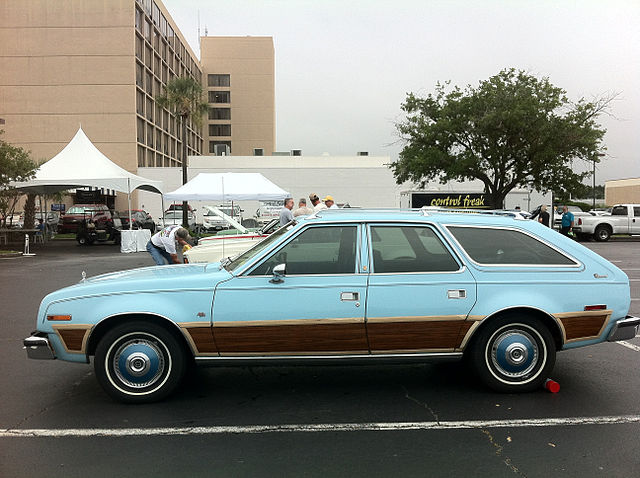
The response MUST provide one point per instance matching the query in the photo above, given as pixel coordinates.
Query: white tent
(81, 164)
(228, 187)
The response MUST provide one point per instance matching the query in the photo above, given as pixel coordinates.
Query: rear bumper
(624, 329)
(38, 347)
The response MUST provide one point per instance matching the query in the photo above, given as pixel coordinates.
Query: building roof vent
(362, 153)
(296, 152)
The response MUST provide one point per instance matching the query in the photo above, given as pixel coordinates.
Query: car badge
(598, 276)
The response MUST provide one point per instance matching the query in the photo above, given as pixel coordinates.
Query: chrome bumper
(38, 347)
(624, 329)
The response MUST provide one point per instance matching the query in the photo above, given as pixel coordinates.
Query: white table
(134, 240)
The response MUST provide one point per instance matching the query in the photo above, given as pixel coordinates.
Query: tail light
(579, 221)
(595, 307)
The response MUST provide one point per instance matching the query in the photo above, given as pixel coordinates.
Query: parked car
(214, 248)
(175, 217)
(348, 286)
(141, 220)
(212, 221)
(624, 219)
(98, 213)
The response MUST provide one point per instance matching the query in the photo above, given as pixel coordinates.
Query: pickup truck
(624, 219)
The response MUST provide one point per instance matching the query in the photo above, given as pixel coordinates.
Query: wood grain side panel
(73, 339)
(580, 327)
(417, 335)
(202, 339)
(314, 338)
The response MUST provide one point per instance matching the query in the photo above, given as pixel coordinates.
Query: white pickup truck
(624, 219)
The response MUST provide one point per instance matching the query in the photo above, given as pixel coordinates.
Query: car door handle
(349, 296)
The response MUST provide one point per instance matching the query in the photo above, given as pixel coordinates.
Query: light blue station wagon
(348, 285)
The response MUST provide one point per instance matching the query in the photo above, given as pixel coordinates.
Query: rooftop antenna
(206, 31)
(198, 23)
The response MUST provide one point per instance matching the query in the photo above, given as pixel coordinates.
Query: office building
(238, 73)
(101, 64)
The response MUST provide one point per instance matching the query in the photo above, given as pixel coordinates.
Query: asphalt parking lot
(417, 420)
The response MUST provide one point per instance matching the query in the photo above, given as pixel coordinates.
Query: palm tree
(183, 97)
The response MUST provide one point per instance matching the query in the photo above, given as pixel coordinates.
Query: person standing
(162, 245)
(567, 221)
(285, 214)
(317, 204)
(302, 210)
(329, 202)
(543, 217)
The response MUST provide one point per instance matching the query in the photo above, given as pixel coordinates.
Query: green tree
(15, 165)
(183, 97)
(513, 130)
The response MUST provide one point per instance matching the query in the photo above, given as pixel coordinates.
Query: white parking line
(320, 427)
(628, 345)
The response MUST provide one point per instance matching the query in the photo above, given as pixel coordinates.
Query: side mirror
(278, 274)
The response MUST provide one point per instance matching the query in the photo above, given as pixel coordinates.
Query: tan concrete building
(239, 74)
(98, 64)
(622, 191)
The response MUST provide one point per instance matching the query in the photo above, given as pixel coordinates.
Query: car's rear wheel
(139, 362)
(513, 353)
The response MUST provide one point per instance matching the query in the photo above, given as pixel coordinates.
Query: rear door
(419, 292)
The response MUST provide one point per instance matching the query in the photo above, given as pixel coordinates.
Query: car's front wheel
(513, 353)
(139, 362)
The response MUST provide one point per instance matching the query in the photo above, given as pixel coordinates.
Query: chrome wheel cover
(138, 363)
(516, 354)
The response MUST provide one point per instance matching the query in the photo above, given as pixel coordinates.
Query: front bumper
(624, 329)
(38, 347)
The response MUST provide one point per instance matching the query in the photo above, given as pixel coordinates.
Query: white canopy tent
(228, 187)
(81, 164)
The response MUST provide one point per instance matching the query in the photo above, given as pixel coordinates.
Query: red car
(68, 223)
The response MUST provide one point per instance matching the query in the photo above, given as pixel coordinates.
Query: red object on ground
(552, 386)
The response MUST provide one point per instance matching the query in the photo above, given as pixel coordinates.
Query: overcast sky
(344, 67)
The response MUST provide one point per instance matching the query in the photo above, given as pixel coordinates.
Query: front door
(419, 294)
(317, 308)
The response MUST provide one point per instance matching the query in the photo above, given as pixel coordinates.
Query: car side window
(409, 249)
(619, 211)
(636, 211)
(496, 246)
(317, 250)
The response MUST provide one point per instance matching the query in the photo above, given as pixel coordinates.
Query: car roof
(441, 216)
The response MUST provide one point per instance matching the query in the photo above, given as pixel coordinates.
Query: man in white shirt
(317, 204)
(162, 245)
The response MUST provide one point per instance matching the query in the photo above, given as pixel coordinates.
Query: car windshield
(173, 214)
(243, 258)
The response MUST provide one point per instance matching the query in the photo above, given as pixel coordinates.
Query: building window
(219, 130)
(219, 80)
(258, 151)
(141, 161)
(215, 147)
(140, 133)
(219, 97)
(219, 113)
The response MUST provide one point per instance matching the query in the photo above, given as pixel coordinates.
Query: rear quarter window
(500, 246)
